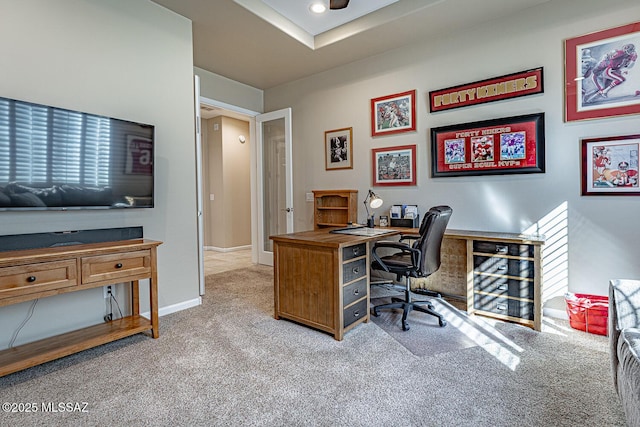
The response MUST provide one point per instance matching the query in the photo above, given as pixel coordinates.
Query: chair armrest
(409, 237)
(402, 249)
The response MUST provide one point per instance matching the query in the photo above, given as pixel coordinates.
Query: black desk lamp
(373, 201)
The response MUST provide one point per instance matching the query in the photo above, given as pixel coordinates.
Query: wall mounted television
(57, 159)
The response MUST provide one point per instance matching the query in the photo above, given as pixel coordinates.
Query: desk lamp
(374, 202)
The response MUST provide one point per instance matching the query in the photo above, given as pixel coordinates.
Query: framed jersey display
(602, 78)
(490, 147)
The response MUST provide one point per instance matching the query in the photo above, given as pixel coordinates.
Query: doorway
(226, 187)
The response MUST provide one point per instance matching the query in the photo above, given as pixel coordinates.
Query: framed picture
(600, 77)
(393, 114)
(610, 166)
(338, 149)
(394, 165)
(139, 159)
(490, 147)
(494, 89)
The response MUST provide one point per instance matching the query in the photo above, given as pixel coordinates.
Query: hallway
(219, 262)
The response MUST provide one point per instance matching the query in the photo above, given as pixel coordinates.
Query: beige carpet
(228, 362)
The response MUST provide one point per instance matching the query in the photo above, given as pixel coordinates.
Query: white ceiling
(263, 49)
(298, 11)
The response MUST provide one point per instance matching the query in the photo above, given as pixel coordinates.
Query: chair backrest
(432, 231)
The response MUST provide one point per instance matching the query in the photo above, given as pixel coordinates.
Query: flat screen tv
(57, 159)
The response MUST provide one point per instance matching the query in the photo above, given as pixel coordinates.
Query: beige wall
(227, 217)
(593, 238)
(129, 59)
(227, 91)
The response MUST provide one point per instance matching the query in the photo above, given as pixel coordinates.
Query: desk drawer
(354, 291)
(503, 286)
(500, 248)
(499, 265)
(32, 278)
(127, 266)
(506, 306)
(354, 270)
(355, 312)
(354, 251)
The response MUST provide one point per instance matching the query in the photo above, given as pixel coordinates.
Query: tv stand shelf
(38, 273)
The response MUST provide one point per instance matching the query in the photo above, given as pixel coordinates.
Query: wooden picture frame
(394, 165)
(393, 114)
(510, 145)
(598, 81)
(610, 166)
(338, 149)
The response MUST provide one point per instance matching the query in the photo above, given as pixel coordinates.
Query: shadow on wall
(555, 256)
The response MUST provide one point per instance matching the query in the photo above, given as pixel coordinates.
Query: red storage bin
(588, 313)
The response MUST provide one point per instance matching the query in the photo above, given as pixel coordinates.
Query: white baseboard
(233, 249)
(175, 307)
(555, 313)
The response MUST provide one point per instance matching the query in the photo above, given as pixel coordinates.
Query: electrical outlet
(108, 290)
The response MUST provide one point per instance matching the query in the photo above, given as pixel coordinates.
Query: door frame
(250, 116)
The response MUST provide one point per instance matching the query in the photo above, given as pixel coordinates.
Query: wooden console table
(38, 273)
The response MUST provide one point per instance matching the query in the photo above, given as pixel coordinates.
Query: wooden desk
(322, 279)
(38, 273)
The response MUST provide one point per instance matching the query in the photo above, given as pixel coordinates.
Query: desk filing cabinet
(506, 281)
(321, 280)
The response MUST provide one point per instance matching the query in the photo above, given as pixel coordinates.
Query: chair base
(407, 306)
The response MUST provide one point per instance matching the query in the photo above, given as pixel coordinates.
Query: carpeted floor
(228, 362)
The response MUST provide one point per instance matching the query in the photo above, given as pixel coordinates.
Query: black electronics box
(406, 222)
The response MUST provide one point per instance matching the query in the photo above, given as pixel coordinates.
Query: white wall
(129, 59)
(598, 236)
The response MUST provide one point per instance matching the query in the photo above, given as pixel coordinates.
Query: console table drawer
(354, 270)
(109, 267)
(355, 312)
(32, 278)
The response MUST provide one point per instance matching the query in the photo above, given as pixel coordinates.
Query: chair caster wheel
(375, 313)
(442, 322)
(405, 326)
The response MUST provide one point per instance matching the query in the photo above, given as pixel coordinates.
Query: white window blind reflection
(46, 146)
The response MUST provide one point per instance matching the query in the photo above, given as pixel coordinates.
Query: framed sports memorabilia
(610, 166)
(490, 147)
(601, 75)
(514, 85)
(338, 149)
(393, 114)
(394, 165)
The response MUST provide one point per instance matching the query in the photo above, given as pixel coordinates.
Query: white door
(196, 86)
(274, 180)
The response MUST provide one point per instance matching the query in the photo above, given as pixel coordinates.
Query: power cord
(24, 322)
(112, 299)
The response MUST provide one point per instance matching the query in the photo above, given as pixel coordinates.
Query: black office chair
(419, 259)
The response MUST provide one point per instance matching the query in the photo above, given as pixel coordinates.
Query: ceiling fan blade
(338, 4)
